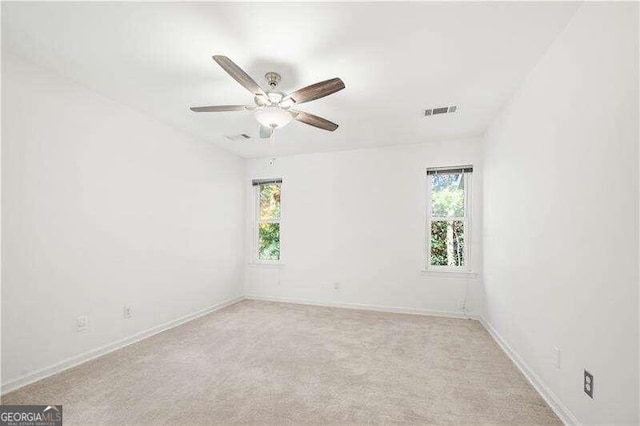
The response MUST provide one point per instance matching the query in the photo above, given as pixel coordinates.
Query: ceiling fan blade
(264, 132)
(221, 108)
(316, 91)
(239, 75)
(314, 120)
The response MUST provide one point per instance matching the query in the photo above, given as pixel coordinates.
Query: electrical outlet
(82, 323)
(127, 312)
(588, 384)
(556, 359)
(336, 286)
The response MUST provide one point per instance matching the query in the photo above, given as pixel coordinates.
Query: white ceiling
(396, 60)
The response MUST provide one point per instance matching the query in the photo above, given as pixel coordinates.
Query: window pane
(269, 241)
(270, 201)
(447, 195)
(447, 243)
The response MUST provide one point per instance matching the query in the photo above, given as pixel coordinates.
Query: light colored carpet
(274, 363)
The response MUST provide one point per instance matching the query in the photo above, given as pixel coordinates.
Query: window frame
(256, 225)
(466, 221)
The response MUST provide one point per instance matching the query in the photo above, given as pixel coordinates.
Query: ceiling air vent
(240, 137)
(441, 110)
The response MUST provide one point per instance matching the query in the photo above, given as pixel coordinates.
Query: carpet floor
(272, 363)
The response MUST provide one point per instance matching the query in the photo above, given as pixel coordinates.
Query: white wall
(358, 218)
(103, 206)
(561, 215)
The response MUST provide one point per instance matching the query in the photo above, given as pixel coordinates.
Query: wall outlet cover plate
(588, 384)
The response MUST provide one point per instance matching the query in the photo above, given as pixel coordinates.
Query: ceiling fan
(273, 108)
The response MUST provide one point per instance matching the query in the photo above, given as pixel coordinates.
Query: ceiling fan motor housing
(273, 78)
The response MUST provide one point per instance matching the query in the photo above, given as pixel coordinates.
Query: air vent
(440, 110)
(240, 137)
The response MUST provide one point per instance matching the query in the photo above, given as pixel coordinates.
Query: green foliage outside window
(447, 243)
(269, 222)
(447, 195)
(270, 201)
(447, 236)
(269, 241)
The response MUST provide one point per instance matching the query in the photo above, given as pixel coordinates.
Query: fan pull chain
(272, 140)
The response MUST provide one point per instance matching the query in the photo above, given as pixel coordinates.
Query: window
(448, 224)
(267, 230)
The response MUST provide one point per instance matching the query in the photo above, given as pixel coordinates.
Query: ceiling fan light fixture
(286, 103)
(262, 100)
(274, 97)
(273, 117)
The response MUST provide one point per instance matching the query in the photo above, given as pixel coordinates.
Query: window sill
(266, 264)
(449, 274)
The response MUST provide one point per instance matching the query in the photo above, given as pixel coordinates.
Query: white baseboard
(364, 307)
(561, 410)
(103, 350)
(554, 402)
